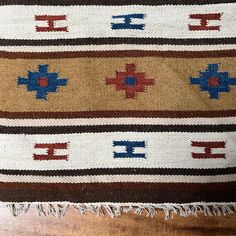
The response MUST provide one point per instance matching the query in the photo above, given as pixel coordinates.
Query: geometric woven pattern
(213, 81)
(130, 81)
(130, 149)
(43, 82)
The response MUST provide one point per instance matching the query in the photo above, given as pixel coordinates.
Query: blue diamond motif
(213, 81)
(43, 82)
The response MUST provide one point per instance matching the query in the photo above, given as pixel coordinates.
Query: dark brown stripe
(147, 194)
(117, 185)
(104, 41)
(124, 171)
(112, 2)
(107, 114)
(116, 128)
(119, 54)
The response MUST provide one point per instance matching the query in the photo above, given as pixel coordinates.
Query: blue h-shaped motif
(127, 22)
(213, 81)
(43, 82)
(130, 146)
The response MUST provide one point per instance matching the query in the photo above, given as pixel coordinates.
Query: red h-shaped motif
(204, 20)
(51, 23)
(51, 147)
(208, 146)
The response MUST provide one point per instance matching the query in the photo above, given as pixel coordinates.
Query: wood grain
(73, 224)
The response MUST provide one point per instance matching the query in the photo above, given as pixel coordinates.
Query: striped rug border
(88, 193)
(116, 40)
(113, 113)
(126, 171)
(126, 53)
(116, 128)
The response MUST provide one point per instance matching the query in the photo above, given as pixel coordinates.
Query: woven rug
(114, 106)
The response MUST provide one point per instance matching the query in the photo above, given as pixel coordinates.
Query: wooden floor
(73, 224)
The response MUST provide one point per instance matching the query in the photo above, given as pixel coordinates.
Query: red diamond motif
(130, 89)
(43, 82)
(213, 81)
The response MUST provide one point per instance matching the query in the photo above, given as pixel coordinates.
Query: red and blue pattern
(213, 81)
(43, 82)
(130, 81)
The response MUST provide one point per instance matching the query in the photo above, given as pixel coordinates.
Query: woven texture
(118, 105)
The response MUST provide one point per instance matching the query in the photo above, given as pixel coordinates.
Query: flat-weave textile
(116, 106)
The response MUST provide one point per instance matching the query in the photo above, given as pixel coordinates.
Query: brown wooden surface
(73, 224)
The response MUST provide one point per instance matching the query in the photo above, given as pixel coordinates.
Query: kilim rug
(116, 106)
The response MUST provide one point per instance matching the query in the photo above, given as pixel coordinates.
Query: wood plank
(73, 224)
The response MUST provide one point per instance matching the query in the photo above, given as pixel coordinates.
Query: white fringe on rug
(116, 209)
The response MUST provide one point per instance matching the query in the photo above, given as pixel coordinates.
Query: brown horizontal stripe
(123, 171)
(120, 54)
(107, 114)
(115, 128)
(119, 195)
(115, 40)
(118, 185)
(112, 2)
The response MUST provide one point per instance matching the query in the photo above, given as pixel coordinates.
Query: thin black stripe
(112, 40)
(112, 2)
(124, 171)
(116, 128)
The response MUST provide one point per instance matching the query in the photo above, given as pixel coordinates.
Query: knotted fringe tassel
(116, 209)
